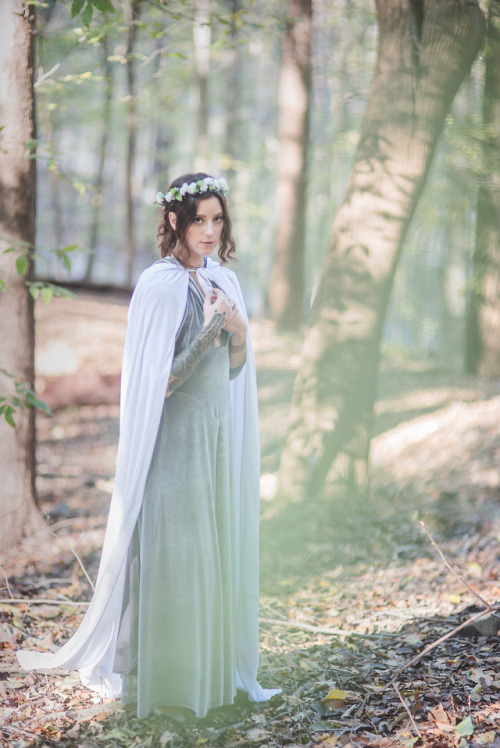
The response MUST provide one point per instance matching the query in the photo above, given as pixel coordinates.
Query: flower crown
(207, 184)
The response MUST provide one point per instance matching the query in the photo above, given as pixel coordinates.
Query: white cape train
(155, 314)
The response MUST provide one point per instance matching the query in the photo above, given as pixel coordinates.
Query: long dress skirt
(176, 644)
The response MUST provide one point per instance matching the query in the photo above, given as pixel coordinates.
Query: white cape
(155, 314)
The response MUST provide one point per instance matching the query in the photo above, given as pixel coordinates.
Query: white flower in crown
(221, 185)
(194, 188)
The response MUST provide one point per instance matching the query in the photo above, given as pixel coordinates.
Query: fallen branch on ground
(448, 565)
(323, 629)
(489, 608)
(410, 715)
(39, 601)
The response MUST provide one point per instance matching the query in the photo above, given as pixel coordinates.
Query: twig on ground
(6, 582)
(82, 567)
(489, 608)
(97, 522)
(82, 715)
(448, 565)
(323, 629)
(410, 715)
(282, 615)
(15, 728)
(39, 601)
(434, 644)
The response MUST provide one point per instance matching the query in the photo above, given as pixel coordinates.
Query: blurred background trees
(127, 100)
(483, 318)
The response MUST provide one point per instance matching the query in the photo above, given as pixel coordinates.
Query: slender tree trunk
(95, 224)
(201, 39)
(425, 51)
(286, 290)
(53, 174)
(17, 229)
(482, 352)
(232, 96)
(131, 139)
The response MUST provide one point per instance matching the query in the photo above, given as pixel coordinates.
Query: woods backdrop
(276, 96)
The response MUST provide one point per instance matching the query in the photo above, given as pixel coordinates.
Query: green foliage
(21, 265)
(24, 397)
(86, 8)
(25, 255)
(46, 291)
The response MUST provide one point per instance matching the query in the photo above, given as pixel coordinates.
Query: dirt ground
(350, 594)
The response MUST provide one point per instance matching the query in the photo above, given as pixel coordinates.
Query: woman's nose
(209, 228)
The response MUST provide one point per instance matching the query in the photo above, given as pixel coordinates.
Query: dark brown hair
(185, 210)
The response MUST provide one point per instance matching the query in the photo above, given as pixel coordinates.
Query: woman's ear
(173, 219)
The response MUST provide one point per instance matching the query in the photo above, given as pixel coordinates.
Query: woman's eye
(219, 219)
(198, 220)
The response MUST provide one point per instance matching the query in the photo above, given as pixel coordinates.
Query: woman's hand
(216, 304)
(234, 321)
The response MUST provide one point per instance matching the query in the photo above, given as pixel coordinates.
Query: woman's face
(203, 235)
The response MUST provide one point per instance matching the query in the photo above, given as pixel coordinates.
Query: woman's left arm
(237, 326)
(237, 352)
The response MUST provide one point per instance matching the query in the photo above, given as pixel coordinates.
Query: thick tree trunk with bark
(17, 229)
(483, 318)
(425, 51)
(286, 290)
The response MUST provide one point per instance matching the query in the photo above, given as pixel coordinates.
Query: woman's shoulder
(164, 271)
(222, 270)
(161, 276)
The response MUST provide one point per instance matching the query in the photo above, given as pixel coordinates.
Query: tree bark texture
(425, 50)
(17, 229)
(286, 290)
(483, 318)
(131, 139)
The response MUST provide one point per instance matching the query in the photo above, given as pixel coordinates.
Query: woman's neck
(189, 266)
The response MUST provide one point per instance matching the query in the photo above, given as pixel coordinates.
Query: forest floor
(351, 595)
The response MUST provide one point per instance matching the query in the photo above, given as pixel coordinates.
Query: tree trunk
(482, 350)
(17, 229)
(54, 178)
(95, 223)
(201, 39)
(131, 140)
(286, 290)
(232, 96)
(425, 50)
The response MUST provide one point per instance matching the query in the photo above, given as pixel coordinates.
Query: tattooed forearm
(186, 362)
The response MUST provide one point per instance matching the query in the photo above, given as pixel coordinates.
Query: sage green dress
(176, 644)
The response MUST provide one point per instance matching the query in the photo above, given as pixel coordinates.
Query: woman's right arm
(183, 365)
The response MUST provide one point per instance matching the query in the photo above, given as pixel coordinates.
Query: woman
(175, 612)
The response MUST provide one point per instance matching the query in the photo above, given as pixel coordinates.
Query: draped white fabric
(155, 314)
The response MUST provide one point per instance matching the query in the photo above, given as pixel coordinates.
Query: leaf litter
(350, 596)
